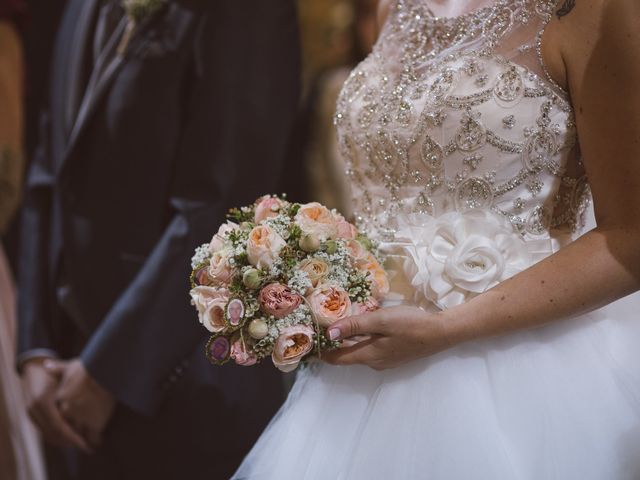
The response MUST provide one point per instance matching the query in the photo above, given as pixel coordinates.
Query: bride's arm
(600, 49)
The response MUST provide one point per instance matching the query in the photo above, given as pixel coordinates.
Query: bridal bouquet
(276, 275)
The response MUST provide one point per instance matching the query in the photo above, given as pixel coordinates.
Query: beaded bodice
(453, 114)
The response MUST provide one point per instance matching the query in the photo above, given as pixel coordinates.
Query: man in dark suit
(159, 121)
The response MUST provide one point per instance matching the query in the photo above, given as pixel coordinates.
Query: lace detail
(454, 114)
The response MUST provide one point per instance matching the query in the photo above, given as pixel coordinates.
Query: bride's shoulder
(582, 32)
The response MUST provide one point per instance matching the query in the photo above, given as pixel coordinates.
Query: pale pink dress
(25, 441)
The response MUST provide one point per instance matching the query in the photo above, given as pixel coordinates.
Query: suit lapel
(100, 85)
(77, 66)
(68, 63)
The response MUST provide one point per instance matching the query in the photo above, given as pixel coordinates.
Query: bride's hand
(396, 335)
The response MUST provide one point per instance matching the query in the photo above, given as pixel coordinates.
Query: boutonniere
(137, 11)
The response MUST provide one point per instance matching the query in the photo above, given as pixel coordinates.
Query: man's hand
(40, 387)
(83, 402)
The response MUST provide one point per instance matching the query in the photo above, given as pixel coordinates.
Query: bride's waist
(444, 262)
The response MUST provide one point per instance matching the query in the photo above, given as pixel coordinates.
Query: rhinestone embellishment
(509, 86)
(540, 149)
(471, 135)
(475, 192)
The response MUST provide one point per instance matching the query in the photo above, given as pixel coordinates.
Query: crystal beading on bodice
(455, 114)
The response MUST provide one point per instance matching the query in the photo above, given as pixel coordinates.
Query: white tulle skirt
(559, 402)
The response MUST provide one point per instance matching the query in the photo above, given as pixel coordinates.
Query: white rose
(220, 268)
(460, 255)
(219, 240)
(210, 303)
(264, 246)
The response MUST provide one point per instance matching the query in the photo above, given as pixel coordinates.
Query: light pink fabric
(26, 444)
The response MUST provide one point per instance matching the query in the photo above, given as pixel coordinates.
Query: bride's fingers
(356, 325)
(351, 341)
(361, 352)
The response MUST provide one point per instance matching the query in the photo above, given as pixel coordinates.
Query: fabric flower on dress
(460, 255)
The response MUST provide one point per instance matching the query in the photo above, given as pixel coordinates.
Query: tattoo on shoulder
(566, 7)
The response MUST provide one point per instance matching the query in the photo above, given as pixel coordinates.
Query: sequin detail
(441, 116)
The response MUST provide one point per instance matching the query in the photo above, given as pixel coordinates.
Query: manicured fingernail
(334, 334)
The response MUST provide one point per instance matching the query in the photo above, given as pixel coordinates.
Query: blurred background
(335, 36)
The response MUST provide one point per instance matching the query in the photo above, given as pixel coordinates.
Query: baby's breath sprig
(292, 209)
(359, 288)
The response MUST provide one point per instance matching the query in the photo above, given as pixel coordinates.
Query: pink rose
(201, 276)
(329, 304)
(369, 305)
(263, 246)
(219, 239)
(293, 343)
(316, 219)
(220, 270)
(377, 275)
(267, 207)
(278, 300)
(344, 229)
(241, 355)
(210, 303)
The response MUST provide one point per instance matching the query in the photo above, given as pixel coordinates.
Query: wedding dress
(462, 155)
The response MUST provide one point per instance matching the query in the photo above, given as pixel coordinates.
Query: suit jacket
(193, 119)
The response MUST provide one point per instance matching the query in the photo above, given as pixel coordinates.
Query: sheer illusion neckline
(479, 11)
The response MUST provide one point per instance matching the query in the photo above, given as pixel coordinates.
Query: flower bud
(252, 278)
(258, 329)
(309, 243)
(331, 247)
(365, 242)
(246, 225)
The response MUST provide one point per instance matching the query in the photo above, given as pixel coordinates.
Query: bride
(505, 349)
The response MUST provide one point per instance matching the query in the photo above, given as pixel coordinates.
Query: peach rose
(315, 269)
(267, 207)
(316, 219)
(240, 354)
(210, 303)
(219, 239)
(329, 304)
(263, 246)
(369, 305)
(377, 275)
(220, 270)
(291, 346)
(278, 300)
(357, 250)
